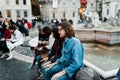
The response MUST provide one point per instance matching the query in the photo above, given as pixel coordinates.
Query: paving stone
(16, 70)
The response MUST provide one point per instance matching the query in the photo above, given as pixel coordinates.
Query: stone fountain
(97, 56)
(92, 29)
(91, 19)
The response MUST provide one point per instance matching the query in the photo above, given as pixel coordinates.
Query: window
(64, 14)
(73, 14)
(17, 2)
(53, 15)
(24, 2)
(107, 11)
(18, 13)
(8, 13)
(73, 3)
(34, 0)
(0, 13)
(25, 14)
(7, 1)
(63, 3)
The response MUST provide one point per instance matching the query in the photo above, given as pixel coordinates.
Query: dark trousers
(3, 47)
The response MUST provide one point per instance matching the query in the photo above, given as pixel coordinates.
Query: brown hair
(68, 28)
(12, 27)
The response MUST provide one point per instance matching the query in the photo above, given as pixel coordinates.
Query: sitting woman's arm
(50, 42)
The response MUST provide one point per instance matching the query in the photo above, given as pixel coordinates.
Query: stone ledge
(101, 36)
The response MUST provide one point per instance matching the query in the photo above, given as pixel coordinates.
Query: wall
(111, 5)
(13, 7)
(67, 6)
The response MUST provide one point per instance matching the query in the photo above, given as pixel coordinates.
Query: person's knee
(38, 58)
(64, 77)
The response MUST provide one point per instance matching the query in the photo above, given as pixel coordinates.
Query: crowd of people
(64, 53)
(59, 53)
(12, 34)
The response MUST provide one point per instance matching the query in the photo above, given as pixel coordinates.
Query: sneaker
(3, 55)
(30, 66)
(10, 57)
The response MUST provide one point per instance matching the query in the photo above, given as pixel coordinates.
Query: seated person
(56, 48)
(44, 45)
(55, 51)
(71, 60)
(118, 74)
(7, 35)
(15, 40)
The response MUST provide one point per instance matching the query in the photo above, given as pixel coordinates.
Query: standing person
(2, 27)
(21, 27)
(15, 40)
(72, 56)
(24, 21)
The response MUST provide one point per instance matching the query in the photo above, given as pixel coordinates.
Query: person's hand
(45, 42)
(46, 63)
(40, 42)
(2, 39)
(50, 65)
(57, 75)
(8, 40)
(44, 59)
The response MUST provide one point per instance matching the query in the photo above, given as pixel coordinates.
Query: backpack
(29, 25)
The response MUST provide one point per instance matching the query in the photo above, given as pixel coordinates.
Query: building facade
(111, 9)
(60, 9)
(70, 9)
(35, 8)
(14, 9)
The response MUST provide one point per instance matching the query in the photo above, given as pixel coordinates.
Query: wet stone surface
(16, 70)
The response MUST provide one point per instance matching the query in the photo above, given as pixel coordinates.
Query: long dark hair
(68, 28)
(12, 27)
(56, 34)
(47, 30)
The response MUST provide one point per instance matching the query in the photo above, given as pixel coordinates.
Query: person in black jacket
(56, 48)
(2, 27)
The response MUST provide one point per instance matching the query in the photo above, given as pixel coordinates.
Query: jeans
(55, 69)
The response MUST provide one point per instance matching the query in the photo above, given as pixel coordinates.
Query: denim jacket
(72, 56)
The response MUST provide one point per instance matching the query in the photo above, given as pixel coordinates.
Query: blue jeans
(118, 74)
(55, 69)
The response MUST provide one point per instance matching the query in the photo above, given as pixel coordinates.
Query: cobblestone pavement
(16, 70)
(25, 49)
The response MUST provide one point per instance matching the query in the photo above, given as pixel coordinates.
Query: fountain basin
(104, 59)
(109, 37)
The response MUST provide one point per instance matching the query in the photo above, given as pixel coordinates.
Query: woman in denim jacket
(72, 56)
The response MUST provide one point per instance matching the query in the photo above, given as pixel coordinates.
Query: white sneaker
(10, 57)
(3, 55)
